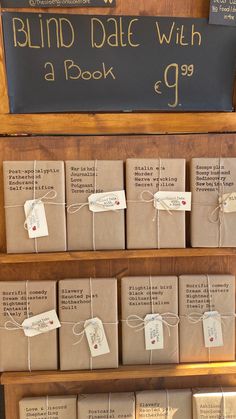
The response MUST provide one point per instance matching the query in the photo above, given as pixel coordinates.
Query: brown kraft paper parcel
(87, 230)
(214, 403)
(210, 179)
(199, 294)
(136, 301)
(26, 180)
(148, 227)
(75, 308)
(176, 404)
(17, 351)
(111, 406)
(61, 407)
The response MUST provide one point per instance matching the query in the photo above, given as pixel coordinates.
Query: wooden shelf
(117, 123)
(6, 259)
(122, 373)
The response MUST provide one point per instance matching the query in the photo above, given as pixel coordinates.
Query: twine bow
(74, 208)
(161, 201)
(143, 323)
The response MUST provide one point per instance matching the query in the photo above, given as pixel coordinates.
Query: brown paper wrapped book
(17, 351)
(214, 403)
(89, 230)
(60, 407)
(200, 295)
(213, 216)
(44, 182)
(111, 406)
(81, 300)
(150, 296)
(171, 404)
(148, 227)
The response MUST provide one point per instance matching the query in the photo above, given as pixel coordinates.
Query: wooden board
(118, 123)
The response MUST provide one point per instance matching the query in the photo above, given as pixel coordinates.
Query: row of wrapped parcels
(205, 403)
(80, 205)
(164, 320)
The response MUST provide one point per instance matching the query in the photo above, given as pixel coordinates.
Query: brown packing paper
(171, 404)
(136, 301)
(19, 182)
(75, 308)
(146, 226)
(88, 230)
(53, 407)
(111, 406)
(18, 352)
(210, 227)
(196, 298)
(214, 403)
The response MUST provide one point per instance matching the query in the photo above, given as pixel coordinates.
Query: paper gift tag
(107, 201)
(172, 201)
(212, 329)
(42, 323)
(229, 202)
(96, 337)
(36, 219)
(154, 336)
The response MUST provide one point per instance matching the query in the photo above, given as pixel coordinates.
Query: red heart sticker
(34, 228)
(117, 203)
(51, 322)
(211, 339)
(95, 346)
(184, 202)
(153, 341)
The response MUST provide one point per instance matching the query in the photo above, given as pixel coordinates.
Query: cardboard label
(229, 202)
(154, 336)
(42, 323)
(212, 329)
(36, 221)
(96, 337)
(223, 12)
(172, 201)
(107, 201)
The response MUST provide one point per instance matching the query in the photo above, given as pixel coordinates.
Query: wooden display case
(46, 136)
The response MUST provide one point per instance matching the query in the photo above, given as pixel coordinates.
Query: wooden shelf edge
(122, 373)
(117, 123)
(114, 255)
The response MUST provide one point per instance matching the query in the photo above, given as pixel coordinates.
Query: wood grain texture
(187, 8)
(117, 123)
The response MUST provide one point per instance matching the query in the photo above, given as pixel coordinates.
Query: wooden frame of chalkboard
(120, 123)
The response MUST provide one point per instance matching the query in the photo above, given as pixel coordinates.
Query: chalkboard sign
(223, 12)
(57, 3)
(72, 63)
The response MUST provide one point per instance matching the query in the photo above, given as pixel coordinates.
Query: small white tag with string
(42, 323)
(36, 221)
(229, 202)
(172, 201)
(154, 336)
(107, 201)
(212, 329)
(96, 337)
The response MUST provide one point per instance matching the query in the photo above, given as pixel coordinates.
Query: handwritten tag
(172, 201)
(42, 323)
(96, 337)
(212, 329)
(107, 201)
(154, 336)
(229, 202)
(36, 219)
